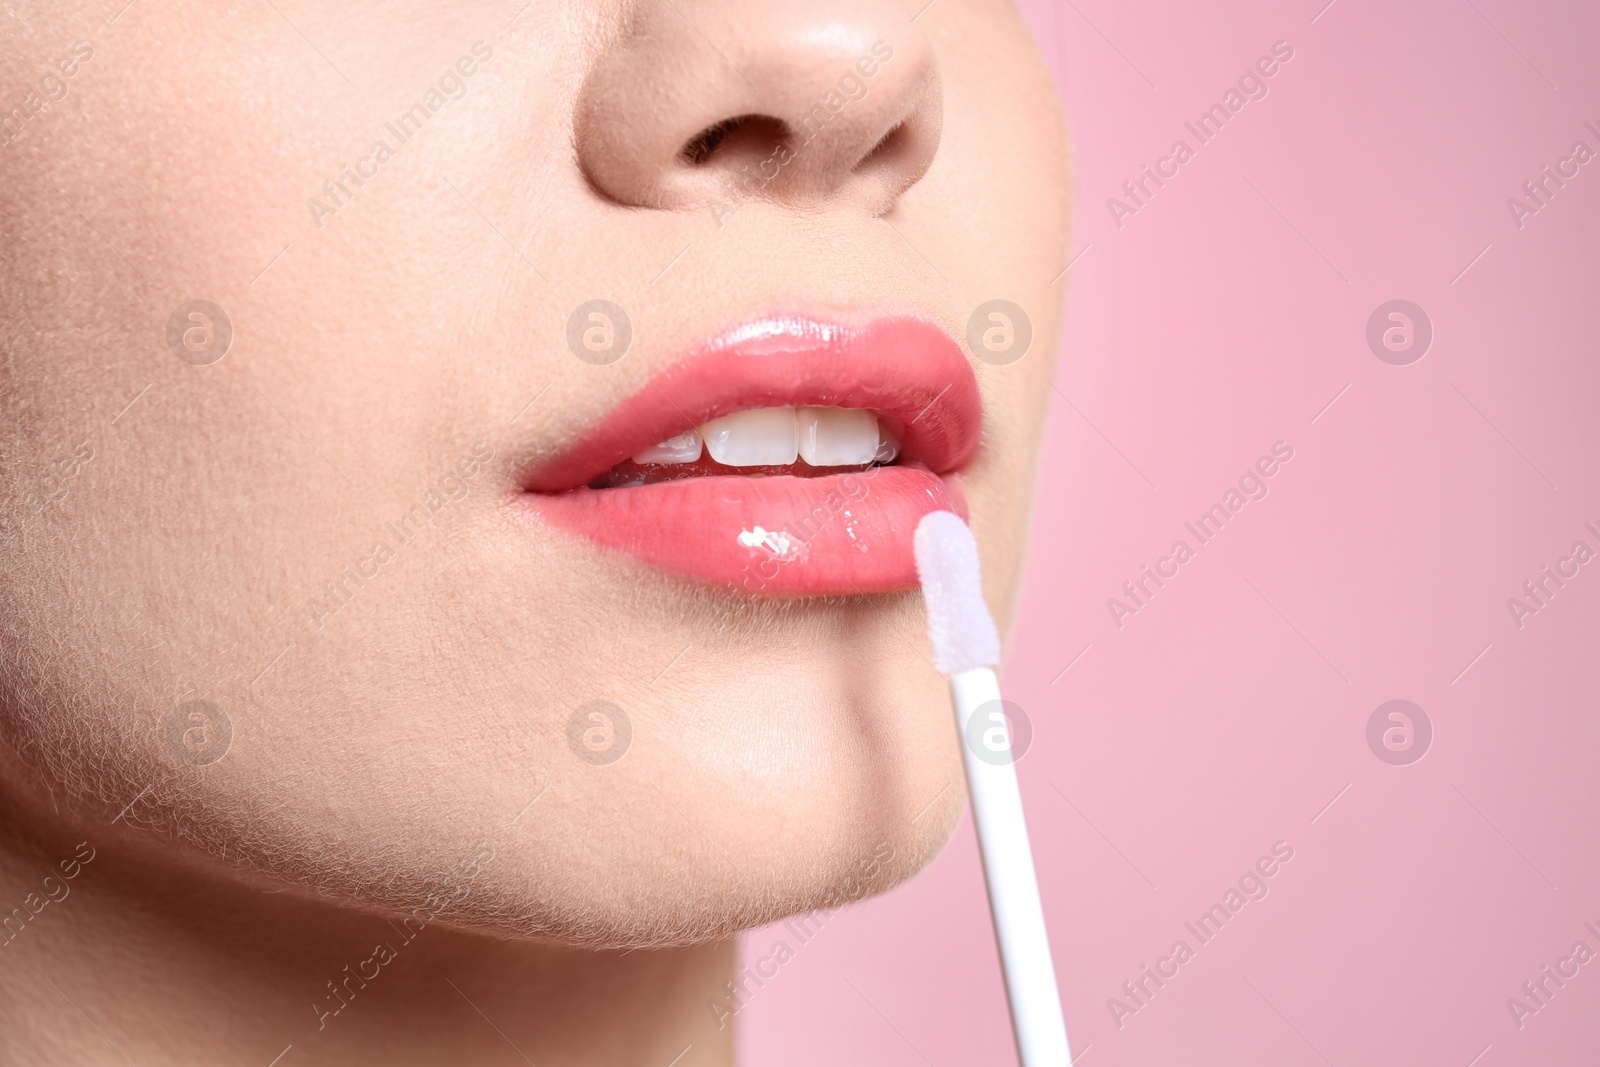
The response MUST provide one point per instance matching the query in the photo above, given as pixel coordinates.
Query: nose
(796, 102)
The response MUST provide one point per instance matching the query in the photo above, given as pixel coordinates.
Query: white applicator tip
(963, 634)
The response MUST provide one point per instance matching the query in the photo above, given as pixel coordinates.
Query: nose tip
(796, 102)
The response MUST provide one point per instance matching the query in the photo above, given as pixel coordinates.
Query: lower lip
(777, 535)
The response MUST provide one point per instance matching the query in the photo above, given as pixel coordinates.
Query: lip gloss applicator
(965, 648)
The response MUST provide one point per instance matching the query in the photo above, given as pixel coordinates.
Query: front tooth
(888, 445)
(838, 437)
(684, 448)
(758, 438)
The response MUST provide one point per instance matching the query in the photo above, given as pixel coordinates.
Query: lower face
(414, 571)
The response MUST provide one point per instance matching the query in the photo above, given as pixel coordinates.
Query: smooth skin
(173, 530)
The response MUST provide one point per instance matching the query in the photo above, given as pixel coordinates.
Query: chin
(780, 788)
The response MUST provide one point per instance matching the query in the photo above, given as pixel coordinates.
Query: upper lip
(905, 369)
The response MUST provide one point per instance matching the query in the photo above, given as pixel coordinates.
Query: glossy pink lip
(781, 534)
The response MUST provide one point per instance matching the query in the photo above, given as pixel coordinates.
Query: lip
(780, 535)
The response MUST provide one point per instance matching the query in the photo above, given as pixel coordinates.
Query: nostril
(698, 148)
(897, 160)
(754, 136)
(888, 150)
(663, 120)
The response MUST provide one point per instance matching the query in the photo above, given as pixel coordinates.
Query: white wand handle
(1019, 928)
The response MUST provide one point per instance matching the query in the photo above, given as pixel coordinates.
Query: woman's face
(303, 351)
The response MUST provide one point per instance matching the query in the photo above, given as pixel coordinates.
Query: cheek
(1008, 241)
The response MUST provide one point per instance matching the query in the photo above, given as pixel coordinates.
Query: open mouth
(788, 457)
(761, 442)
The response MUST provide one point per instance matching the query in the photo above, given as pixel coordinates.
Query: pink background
(1226, 715)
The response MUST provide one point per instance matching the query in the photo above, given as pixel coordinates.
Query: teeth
(888, 445)
(838, 437)
(762, 437)
(776, 437)
(684, 448)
